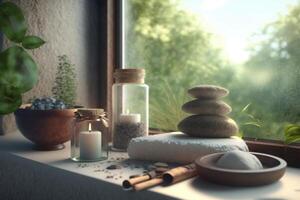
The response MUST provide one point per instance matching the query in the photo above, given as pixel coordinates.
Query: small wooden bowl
(274, 169)
(47, 129)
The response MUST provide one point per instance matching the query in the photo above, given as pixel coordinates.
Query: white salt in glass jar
(129, 108)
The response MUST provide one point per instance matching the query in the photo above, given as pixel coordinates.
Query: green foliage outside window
(178, 52)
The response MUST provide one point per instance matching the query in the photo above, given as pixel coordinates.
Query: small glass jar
(89, 140)
(130, 107)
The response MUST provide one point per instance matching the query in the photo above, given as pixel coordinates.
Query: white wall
(63, 25)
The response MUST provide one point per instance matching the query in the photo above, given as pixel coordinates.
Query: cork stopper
(129, 75)
(90, 112)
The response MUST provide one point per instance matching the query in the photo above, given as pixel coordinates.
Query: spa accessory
(130, 107)
(89, 140)
(179, 174)
(142, 182)
(47, 129)
(239, 160)
(208, 119)
(273, 170)
(180, 148)
(148, 184)
(208, 92)
(168, 177)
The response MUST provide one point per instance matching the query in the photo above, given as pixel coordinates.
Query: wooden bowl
(274, 169)
(48, 129)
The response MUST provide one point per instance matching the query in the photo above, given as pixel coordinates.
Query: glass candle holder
(89, 140)
(130, 107)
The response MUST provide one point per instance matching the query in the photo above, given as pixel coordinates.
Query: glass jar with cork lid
(130, 107)
(89, 140)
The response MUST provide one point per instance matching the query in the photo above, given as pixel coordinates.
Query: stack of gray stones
(209, 118)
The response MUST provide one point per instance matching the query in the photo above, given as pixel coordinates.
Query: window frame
(289, 152)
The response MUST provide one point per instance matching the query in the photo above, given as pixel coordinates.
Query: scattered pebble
(161, 170)
(112, 167)
(109, 168)
(152, 174)
(80, 165)
(151, 167)
(161, 164)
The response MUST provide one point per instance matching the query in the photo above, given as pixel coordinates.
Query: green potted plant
(18, 71)
(46, 122)
(65, 82)
(51, 116)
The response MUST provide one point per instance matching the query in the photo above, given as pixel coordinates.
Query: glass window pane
(251, 47)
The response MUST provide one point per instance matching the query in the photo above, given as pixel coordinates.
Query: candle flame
(90, 127)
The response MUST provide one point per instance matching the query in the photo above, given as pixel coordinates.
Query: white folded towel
(179, 148)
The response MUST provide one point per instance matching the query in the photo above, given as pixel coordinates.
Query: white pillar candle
(130, 118)
(90, 144)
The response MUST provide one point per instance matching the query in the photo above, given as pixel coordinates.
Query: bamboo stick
(127, 184)
(148, 184)
(167, 178)
(179, 174)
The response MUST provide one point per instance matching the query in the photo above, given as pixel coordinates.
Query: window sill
(33, 174)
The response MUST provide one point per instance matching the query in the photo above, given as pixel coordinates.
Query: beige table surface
(46, 165)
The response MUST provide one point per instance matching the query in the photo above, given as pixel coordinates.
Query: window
(250, 47)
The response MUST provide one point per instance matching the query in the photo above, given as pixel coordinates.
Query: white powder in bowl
(239, 160)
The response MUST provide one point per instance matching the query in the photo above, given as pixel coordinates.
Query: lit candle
(130, 118)
(90, 144)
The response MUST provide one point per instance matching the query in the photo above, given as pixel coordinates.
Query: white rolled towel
(177, 147)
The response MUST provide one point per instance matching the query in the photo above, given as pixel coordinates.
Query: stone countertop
(25, 172)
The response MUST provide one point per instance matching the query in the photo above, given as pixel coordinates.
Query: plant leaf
(251, 116)
(32, 42)
(292, 133)
(18, 71)
(246, 107)
(12, 22)
(292, 126)
(252, 124)
(9, 102)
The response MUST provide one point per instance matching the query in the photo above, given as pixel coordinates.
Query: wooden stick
(179, 174)
(148, 184)
(153, 179)
(127, 184)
